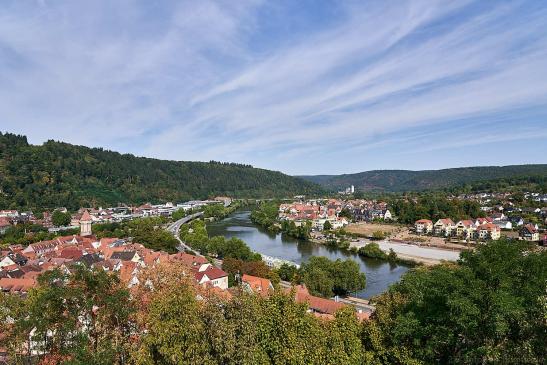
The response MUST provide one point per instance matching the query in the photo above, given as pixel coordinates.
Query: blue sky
(304, 87)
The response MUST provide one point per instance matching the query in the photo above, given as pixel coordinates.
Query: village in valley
(360, 221)
(21, 265)
(364, 217)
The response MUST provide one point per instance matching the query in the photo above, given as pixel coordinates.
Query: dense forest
(490, 308)
(404, 180)
(58, 173)
(409, 209)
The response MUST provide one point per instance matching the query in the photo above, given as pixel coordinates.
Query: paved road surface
(174, 228)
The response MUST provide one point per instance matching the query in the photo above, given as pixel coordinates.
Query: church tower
(85, 224)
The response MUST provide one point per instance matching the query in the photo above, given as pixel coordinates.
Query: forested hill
(60, 174)
(405, 180)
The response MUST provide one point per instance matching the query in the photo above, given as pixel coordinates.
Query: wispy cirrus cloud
(303, 88)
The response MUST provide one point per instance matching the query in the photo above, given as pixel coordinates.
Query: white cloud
(184, 81)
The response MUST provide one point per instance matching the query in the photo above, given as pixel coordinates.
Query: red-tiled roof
(16, 285)
(86, 217)
(211, 272)
(488, 227)
(321, 305)
(257, 285)
(189, 260)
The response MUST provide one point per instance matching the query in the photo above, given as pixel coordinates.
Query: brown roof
(488, 227)
(189, 260)
(530, 228)
(317, 304)
(257, 285)
(16, 285)
(4, 222)
(211, 272)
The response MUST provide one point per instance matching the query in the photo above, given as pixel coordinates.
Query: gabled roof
(4, 222)
(212, 273)
(189, 260)
(257, 284)
(124, 255)
(16, 285)
(86, 217)
(446, 221)
(317, 304)
(488, 227)
(529, 228)
(73, 253)
(466, 222)
(89, 260)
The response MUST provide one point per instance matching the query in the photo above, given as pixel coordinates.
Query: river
(380, 274)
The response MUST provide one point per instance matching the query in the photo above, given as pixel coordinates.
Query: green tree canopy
(489, 308)
(325, 277)
(60, 219)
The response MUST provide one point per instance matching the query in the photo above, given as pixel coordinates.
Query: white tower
(85, 224)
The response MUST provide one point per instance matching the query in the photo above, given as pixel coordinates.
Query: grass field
(367, 229)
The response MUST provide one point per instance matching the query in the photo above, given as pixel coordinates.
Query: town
(507, 218)
(20, 266)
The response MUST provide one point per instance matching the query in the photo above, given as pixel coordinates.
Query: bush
(392, 256)
(378, 235)
(372, 250)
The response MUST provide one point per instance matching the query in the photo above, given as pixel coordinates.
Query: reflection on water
(380, 274)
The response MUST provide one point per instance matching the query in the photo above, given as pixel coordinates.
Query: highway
(174, 228)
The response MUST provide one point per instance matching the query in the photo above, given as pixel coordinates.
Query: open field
(367, 229)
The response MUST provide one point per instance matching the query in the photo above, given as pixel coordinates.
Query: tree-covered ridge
(57, 173)
(405, 180)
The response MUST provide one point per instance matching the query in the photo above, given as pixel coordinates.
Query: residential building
(5, 224)
(465, 229)
(423, 226)
(212, 276)
(444, 227)
(257, 285)
(488, 231)
(529, 233)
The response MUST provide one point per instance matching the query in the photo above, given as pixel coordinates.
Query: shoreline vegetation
(265, 215)
(322, 276)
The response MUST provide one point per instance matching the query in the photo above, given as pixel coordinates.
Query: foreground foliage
(491, 307)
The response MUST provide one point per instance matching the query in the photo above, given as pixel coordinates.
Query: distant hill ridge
(407, 180)
(60, 174)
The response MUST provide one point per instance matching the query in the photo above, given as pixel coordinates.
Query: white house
(212, 276)
(423, 226)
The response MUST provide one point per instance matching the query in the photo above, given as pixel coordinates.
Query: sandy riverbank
(424, 255)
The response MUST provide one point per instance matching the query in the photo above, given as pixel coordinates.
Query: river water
(380, 274)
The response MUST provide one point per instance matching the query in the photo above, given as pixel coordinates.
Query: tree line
(433, 206)
(39, 177)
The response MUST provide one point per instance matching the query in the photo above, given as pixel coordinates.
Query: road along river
(380, 274)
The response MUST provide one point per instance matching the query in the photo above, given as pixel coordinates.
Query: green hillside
(405, 180)
(60, 174)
